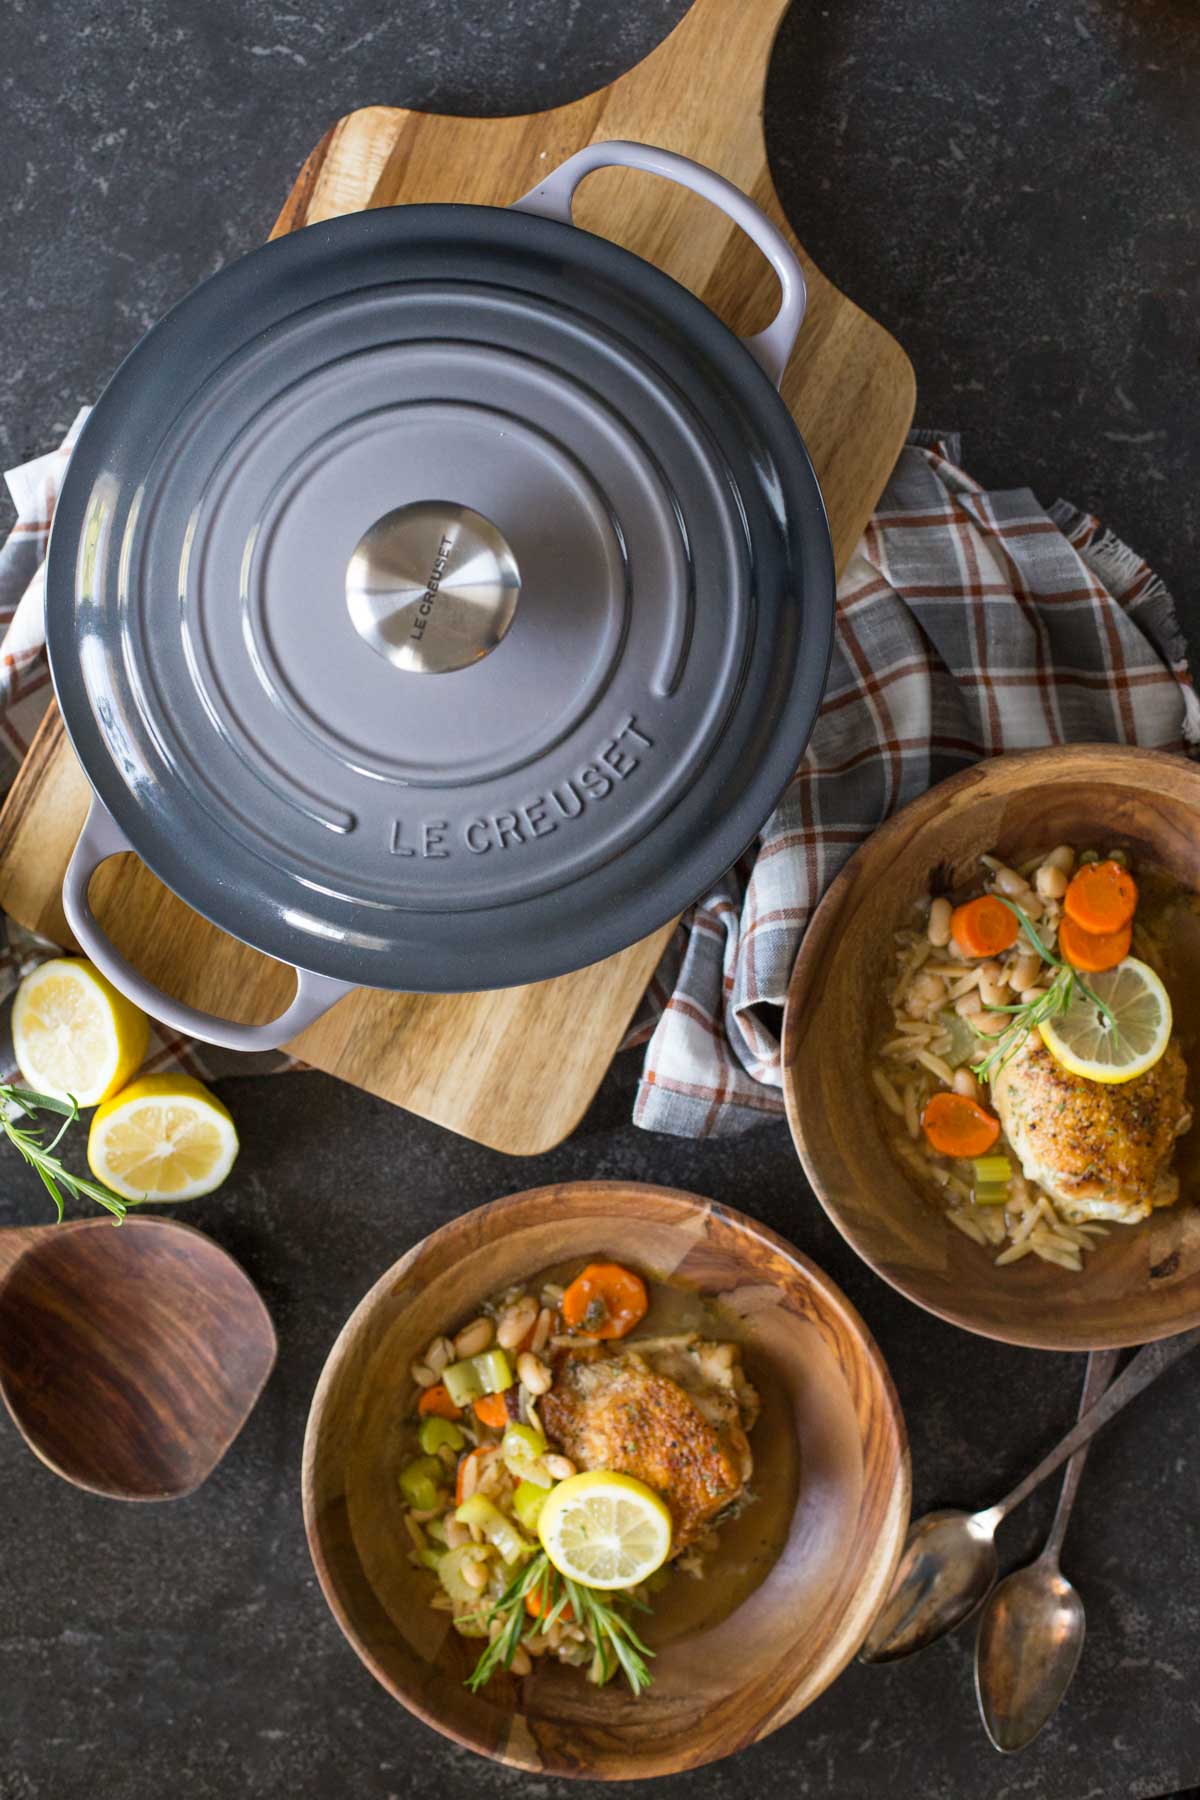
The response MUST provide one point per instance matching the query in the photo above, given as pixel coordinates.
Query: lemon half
(1084, 1043)
(164, 1138)
(74, 1034)
(605, 1530)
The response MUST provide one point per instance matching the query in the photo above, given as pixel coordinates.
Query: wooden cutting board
(514, 1069)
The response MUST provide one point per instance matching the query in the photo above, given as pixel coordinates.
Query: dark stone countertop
(1012, 191)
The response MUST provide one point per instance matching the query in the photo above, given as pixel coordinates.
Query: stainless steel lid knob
(432, 586)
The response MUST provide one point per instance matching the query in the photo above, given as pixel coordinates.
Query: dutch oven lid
(439, 598)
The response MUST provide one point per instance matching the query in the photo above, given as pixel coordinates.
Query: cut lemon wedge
(1084, 1042)
(605, 1530)
(164, 1138)
(74, 1034)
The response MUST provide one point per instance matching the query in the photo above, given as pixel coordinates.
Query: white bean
(457, 1534)
(560, 1468)
(1061, 858)
(968, 1006)
(542, 1330)
(520, 1664)
(474, 1573)
(1025, 971)
(1009, 882)
(993, 993)
(1030, 994)
(991, 1024)
(474, 1338)
(966, 1084)
(1051, 881)
(439, 1353)
(533, 1372)
(938, 928)
(516, 1322)
(423, 1375)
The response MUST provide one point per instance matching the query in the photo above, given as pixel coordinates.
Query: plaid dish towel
(967, 623)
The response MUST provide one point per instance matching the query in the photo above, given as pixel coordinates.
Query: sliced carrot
(956, 1126)
(984, 927)
(436, 1400)
(1093, 950)
(533, 1606)
(606, 1301)
(492, 1409)
(1101, 898)
(477, 1458)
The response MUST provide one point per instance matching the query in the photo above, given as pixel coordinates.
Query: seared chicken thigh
(673, 1413)
(1100, 1151)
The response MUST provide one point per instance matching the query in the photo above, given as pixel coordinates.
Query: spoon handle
(1147, 1366)
(1101, 1366)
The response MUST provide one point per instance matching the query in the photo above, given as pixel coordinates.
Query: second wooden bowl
(823, 1382)
(1141, 1282)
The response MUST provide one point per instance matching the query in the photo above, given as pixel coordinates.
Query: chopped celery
(420, 1482)
(528, 1502)
(471, 1625)
(490, 1373)
(964, 1045)
(431, 1557)
(522, 1449)
(498, 1530)
(436, 1529)
(495, 1371)
(449, 1573)
(992, 1176)
(435, 1432)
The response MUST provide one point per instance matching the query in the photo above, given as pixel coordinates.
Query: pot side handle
(101, 838)
(552, 198)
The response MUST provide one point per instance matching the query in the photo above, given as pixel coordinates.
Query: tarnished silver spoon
(1032, 1625)
(948, 1566)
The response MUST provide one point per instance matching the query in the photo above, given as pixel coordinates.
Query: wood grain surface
(713, 1692)
(1142, 1281)
(130, 1358)
(514, 1069)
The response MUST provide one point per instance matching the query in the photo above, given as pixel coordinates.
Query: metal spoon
(948, 1566)
(1032, 1626)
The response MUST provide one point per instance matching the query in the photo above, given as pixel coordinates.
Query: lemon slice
(74, 1034)
(164, 1138)
(605, 1530)
(1084, 1043)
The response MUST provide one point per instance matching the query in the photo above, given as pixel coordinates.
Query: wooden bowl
(714, 1692)
(1141, 1282)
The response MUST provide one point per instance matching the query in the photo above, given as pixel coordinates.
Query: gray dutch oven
(439, 598)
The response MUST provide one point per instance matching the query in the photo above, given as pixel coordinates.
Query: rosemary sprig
(1066, 982)
(615, 1640)
(27, 1141)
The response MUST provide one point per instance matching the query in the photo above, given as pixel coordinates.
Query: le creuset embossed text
(439, 598)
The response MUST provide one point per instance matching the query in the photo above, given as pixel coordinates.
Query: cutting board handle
(552, 199)
(101, 838)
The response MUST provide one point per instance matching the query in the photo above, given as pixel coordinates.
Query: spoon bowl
(948, 1568)
(130, 1357)
(1030, 1642)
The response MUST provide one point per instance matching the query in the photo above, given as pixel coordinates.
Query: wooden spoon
(131, 1356)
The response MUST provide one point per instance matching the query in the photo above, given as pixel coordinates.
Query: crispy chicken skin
(1099, 1151)
(685, 1438)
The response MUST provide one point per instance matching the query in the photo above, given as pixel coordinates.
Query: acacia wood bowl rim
(820, 941)
(619, 1194)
